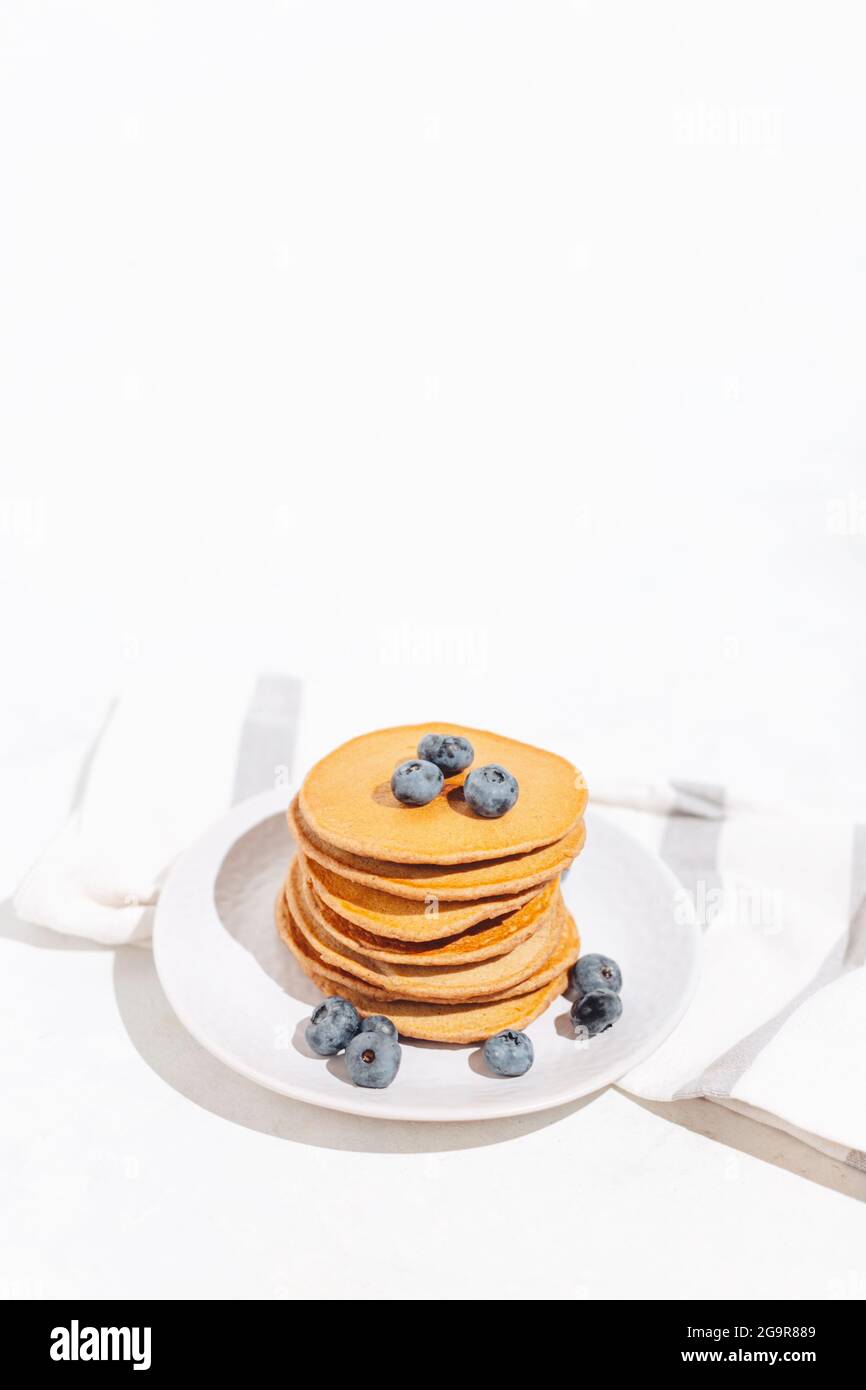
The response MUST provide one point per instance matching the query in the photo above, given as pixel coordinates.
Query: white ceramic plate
(236, 987)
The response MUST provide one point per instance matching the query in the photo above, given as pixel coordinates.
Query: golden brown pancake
(461, 1023)
(406, 919)
(346, 800)
(456, 882)
(455, 983)
(563, 958)
(450, 1023)
(329, 980)
(478, 943)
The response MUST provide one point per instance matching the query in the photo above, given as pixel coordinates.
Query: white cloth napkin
(168, 759)
(777, 1029)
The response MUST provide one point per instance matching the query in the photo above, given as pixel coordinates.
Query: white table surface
(499, 363)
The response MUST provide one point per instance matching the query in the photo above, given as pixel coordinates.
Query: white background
(482, 361)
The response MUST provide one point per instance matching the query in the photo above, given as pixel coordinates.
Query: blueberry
(378, 1023)
(333, 1023)
(509, 1053)
(416, 782)
(491, 790)
(373, 1059)
(450, 754)
(596, 972)
(596, 1011)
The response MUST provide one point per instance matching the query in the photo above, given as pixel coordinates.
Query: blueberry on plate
(416, 782)
(450, 752)
(596, 972)
(378, 1023)
(373, 1059)
(491, 790)
(596, 1011)
(509, 1053)
(333, 1024)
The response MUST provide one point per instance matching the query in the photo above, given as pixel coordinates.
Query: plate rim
(218, 838)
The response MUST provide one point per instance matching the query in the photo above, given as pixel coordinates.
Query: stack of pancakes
(451, 925)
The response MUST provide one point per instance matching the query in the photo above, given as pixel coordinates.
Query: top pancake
(347, 801)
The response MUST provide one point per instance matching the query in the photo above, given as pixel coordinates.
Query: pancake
(457, 883)
(406, 919)
(452, 983)
(346, 800)
(463, 1023)
(329, 980)
(478, 943)
(456, 1023)
(563, 957)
